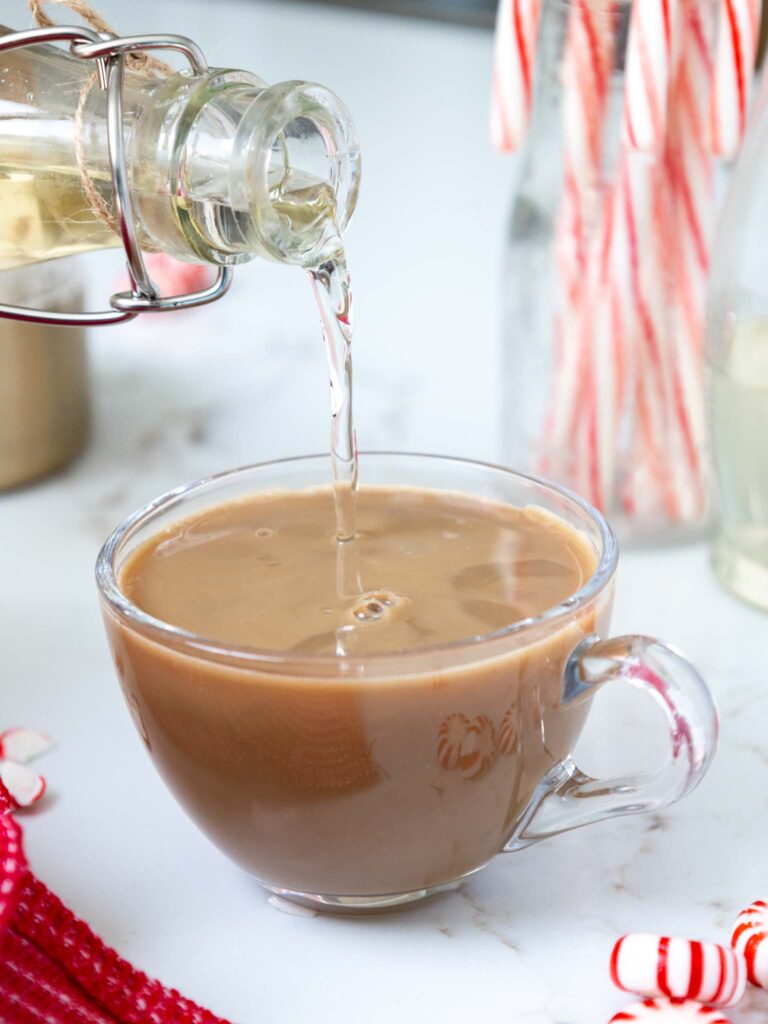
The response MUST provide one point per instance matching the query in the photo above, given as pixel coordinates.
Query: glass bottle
(222, 167)
(604, 285)
(737, 357)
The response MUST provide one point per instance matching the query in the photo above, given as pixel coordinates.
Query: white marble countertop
(528, 939)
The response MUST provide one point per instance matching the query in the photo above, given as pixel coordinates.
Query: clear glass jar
(221, 167)
(737, 358)
(605, 275)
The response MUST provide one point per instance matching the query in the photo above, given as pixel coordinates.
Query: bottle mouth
(305, 172)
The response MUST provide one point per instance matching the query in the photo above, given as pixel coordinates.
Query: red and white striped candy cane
(655, 457)
(674, 197)
(632, 258)
(572, 442)
(690, 186)
(647, 74)
(582, 437)
(750, 938)
(636, 182)
(670, 1011)
(517, 28)
(734, 70)
(586, 85)
(599, 322)
(657, 965)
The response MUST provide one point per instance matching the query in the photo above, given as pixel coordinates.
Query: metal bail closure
(109, 53)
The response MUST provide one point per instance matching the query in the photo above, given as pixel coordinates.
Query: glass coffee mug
(364, 782)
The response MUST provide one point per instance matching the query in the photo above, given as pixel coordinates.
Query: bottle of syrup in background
(737, 357)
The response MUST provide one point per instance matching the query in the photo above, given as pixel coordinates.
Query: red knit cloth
(54, 970)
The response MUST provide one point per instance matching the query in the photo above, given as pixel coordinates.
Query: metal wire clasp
(109, 53)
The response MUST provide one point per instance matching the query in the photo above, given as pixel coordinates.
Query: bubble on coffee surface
(264, 531)
(377, 606)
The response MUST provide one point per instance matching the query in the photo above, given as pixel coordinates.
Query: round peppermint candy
(670, 1011)
(750, 938)
(660, 965)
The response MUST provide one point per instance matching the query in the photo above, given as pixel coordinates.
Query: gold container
(44, 404)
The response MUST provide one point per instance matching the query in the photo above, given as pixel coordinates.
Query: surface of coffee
(384, 774)
(431, 567)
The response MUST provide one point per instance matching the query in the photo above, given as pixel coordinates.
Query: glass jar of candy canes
(626, 116)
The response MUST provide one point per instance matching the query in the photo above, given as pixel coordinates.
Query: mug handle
(566, 798)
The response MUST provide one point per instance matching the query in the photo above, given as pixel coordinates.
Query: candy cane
(600, 323)
(644, 121)
(683, 204)
(648, 63)
(586, 82)
(689, 183)
(574, 447)
(735, 63)
(517, 27)
(657, 419)
(632, 260)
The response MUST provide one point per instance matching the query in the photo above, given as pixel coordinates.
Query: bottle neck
(222, 168)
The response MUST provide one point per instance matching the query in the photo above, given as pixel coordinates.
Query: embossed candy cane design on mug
(478, 748)
(449, 740)
(507, 735)
(472, 746)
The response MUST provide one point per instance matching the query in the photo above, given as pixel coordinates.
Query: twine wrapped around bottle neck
(137, 62)
(141, 63)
